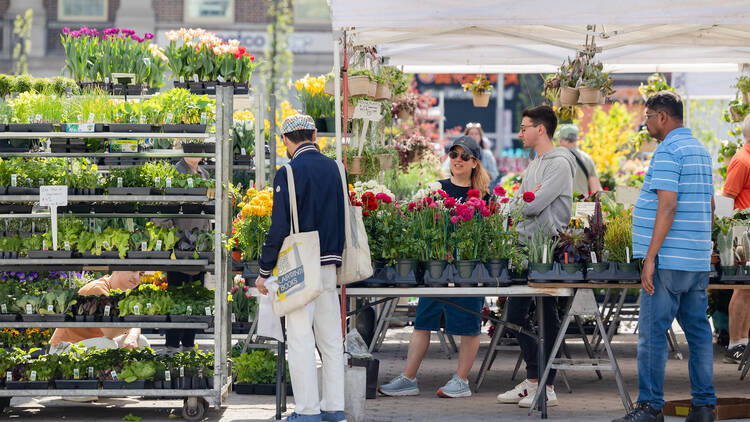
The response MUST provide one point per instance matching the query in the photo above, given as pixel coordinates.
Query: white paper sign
(190, 183)
(32, 376)
(106, 310)
(9, 376)
(76, 374)
(136, 310)
(189, 310)
(158, 245)
(53, 196)
(4, 309)
(368, 110)
(29, 309)
(114, 374)
(167, 376)
(208, 311)
(724, 206)
(585, 209)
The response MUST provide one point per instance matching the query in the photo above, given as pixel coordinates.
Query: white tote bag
(356, 262)
(298, 265)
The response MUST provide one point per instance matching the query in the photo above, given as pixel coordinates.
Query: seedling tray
(149, 254)
(742, 277)
(444, 280)
(556, 274)
(42, 318)
(50, 254)
(184, 128)
(26, 385)
(76, 384)
(186, 191)
(144, 318)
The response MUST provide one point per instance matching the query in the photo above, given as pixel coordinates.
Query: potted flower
(467, 222)
(569, 75)
(595, 84)
(315, 102)
(250, 227)
(383, 90)
(433, 225)
(597, 229)
(481, 90)
(27, 373)
(362, 83)
(410, 243)
(500, 238)
(573, 249)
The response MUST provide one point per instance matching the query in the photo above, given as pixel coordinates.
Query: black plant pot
(186, 191)
(149, 254)
(178, 84)
(8, 317)
(192, 208)
(49, 254)
(26, 385)
(184, 128)
(130, 127)
(144, 318)
(30, 127)
(131, 191)
(193, 148)
(42, 318)
(320, 124)
(76, 384)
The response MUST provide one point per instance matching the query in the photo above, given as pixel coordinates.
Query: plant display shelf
(111, 215)
(196, 401)
(104, 135)
(111, 198)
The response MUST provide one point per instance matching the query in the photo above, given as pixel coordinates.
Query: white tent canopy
(449, 36)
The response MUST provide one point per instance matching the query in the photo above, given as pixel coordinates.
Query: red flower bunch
(528, 196)
(473, 193)
(499, 191)
(449, 202)
(384, 197)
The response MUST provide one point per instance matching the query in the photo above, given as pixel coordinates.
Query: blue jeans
(680, 294)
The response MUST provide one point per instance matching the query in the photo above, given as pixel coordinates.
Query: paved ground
(591, 400)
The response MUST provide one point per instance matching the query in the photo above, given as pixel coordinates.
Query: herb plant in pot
(618, 241)
(481, 90)
(724, 242)
(362, 83)
(541, 247)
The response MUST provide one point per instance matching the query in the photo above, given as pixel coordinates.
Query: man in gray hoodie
(550, 177)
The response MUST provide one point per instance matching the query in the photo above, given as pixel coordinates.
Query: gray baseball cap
(568, 132)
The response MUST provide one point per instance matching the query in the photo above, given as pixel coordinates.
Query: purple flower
(94, 33)
(128, 32)
(139, 39)
(75, 34)
(66, 30)
(149, 36)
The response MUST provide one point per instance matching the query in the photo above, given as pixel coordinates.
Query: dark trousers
(519, 313)
(186, 336)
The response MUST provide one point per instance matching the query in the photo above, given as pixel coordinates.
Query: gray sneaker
(456, 387)
(400, 386)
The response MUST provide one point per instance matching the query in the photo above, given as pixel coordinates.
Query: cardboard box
(726, 408)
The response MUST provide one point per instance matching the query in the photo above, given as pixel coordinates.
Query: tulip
(149, 36)
(66, 30)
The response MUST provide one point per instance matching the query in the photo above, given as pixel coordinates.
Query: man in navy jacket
(320, 202)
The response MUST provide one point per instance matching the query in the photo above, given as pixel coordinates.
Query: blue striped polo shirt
(680, 164)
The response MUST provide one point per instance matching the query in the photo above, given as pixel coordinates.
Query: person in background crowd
(320, 199)
(672, 222)
(184, 338)
(737, 187)
(467, 174)
(102, 338)
(550, 177)
(487, 158)
(586, 181)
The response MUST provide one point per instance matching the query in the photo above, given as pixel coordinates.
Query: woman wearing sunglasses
(466, 173)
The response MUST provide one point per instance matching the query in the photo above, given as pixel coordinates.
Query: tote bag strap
(292, 199)
(347, 205)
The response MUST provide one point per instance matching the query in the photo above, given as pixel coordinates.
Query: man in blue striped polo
(672, 233)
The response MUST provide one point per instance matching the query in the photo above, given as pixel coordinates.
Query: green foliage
(540, 241)
(619, 235)
(255, 367)
(149, 300)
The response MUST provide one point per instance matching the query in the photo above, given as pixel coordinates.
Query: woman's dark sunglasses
(464, 156)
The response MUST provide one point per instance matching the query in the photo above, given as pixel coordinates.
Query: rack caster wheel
(194, 408)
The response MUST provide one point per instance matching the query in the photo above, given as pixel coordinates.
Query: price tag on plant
(158, 245)
(182, 79)
(79, 117)
(32, 376)
(106, 79)
(38, 118)
(169, 118)
(190, 183)
(189, 310)
(113, 374)
(106, 310)
(3, 308)
(169, 182)
(76, 374)
(44, 245)
(14, 180)
(167, 376)
(119, 182)
(243, 151)
(148, 305)
(143, 119)
(221, 79)
(50, 308)
(136, 310)
(91, 118)
(593, 258)
(208, 311)
(67, 245)
(91, 224)
(41, 182)
(9, 376)
(29, 309)
(157, 181)
(144, 246)
(195, 77)
(91, 372)
(204, 118)
(106, 245)
(234, 317)
(130, 224)
(182, 371)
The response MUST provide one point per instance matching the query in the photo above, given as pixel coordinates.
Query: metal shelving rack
(195, 401)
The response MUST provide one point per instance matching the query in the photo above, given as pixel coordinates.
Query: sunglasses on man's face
(464, 156)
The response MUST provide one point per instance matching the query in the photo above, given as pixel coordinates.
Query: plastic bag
(356, 346)
(269, 324)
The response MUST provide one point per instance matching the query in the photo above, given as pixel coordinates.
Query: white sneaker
(525, 388)
(551, 398)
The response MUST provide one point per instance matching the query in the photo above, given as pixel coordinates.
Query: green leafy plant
(619, 236)
(255, 367)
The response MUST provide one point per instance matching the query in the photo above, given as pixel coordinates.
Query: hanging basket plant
(356, 165)
(743, 88)
(481, 90)
(595, 83)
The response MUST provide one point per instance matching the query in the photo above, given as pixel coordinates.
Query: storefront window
(209, 10)
(82, 10)
(312, 12)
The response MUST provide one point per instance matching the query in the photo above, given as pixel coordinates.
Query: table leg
(542, 360)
